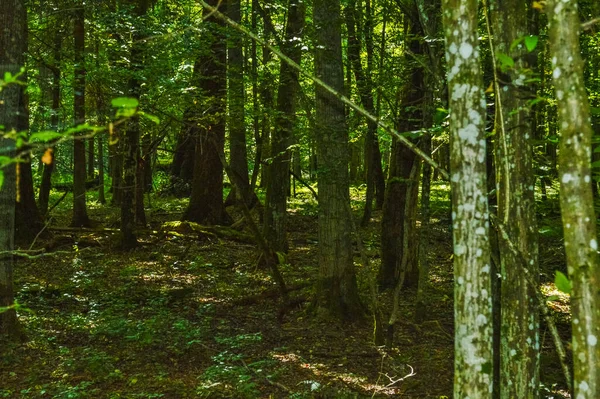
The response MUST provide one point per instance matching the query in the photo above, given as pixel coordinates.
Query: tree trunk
(576, 202)
(278, 172)
(337, 292)
(210, 76)
(13, 35)
(80, 216)
(46, 184)
(398, 215)
(90, 158)
(132, 202)
(365, 91)
(519, 337)
(473, 354)
(238, 154)
(28, 221)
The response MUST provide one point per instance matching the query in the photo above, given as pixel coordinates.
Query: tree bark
(238, 153)
(13, 28)
(519, 336)
(46, 184)
(337, 292)
(210, 76)
(473, 362)
(80, 216)
(399, 216)
(132, 202)
(576, 202)
(278, 172)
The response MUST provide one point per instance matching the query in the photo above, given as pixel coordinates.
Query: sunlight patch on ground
(560, 301)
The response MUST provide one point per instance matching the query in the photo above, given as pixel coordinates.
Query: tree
(46, 184)
(80, 216)
(364, 85)
(132, 202)
(336, 288)
(576, 201)
(210, 81)
(519, 335)
(278, 172)
(237, 125)
(472, 278)
(13, 22)
(398, 225)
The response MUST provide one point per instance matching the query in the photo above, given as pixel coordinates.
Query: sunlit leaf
(124, 102)
(563, 284)
(150, 117)
(45, 136)
(531, 42)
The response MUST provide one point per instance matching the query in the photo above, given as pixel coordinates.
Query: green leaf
(531, 42)
(515, 43)
(594, 110)
(125, 102)
(4, 160)
(553, 298)
(505, 61)
(596, 164)
(563, 284)
(126, 112)
(150, 117)
(45, 136)
(1, 178)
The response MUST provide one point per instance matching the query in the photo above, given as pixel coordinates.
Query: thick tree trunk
(13, 34)
(28, 221)
(238, 153)
(337, 292)
(473, 357)
(210, 76)
(576, 202)
(80, 216)
(519, 337)
(278, 172)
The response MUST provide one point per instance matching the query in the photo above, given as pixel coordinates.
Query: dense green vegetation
(288, 198)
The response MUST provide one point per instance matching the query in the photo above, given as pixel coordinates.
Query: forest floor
(185, 316)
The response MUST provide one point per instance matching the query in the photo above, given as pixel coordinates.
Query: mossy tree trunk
(337, 292)
(473, 363)
(515, 179)
(576, 202)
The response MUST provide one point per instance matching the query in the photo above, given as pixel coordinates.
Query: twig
(394, 382)
(588, 24)
(305, 184)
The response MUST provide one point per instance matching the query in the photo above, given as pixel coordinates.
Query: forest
(299, 199)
